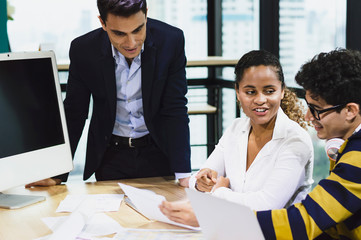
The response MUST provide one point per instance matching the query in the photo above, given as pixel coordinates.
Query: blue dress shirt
(129, 120)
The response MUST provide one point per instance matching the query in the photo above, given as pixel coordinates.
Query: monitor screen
(29, 107)
(34, 142)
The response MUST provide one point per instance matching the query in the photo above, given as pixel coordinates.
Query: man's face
(127, 34)
(332, 124)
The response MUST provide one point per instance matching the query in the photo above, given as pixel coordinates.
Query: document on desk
(69, 227)
(92, 202)
(98, 224)
(147, 202)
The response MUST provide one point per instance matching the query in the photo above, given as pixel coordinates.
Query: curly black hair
(335, 76)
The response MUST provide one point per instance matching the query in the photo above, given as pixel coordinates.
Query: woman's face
(260, 93)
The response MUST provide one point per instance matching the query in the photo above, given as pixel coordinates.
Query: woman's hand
(206, 179)
(181, 212)
(221, 182)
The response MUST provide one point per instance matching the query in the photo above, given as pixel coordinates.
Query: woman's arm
(285, 177)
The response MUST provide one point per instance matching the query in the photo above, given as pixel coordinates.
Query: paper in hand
(147, 202)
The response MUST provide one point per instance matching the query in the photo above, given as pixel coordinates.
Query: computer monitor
(34, 142)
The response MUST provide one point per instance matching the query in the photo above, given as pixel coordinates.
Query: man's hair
(123, 8)
(333, 76)
(256, 58)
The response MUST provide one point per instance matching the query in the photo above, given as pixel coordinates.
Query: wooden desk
(210, 61)
(26, 223)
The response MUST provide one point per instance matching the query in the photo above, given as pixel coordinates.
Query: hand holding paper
(147, 202)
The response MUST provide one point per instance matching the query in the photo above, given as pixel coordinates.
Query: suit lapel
(108, 69)
(148, 66)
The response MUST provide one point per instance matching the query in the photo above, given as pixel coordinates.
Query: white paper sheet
(99, 224)
(91, 202)
(71, 227)
(147, 202)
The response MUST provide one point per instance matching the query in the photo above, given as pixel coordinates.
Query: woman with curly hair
(265, 159)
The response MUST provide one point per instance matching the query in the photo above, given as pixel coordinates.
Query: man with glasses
(333, 209)
(316, 113)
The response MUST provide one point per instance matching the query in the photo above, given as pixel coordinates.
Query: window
(308, 27)
(53, 24)
(50, 24)
(240, 34)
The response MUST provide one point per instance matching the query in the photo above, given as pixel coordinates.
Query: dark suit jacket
(92, 73)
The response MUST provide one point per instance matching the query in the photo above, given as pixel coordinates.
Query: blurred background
(294, 30)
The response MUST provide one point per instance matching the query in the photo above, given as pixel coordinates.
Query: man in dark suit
(134, 70)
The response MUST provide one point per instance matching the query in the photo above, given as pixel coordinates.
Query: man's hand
(221, 182)
(181, 212)
(184, 182)
(44, 183)
(206, 179)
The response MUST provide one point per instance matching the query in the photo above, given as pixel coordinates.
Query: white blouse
(281, 173)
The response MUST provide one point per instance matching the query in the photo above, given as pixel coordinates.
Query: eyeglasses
(316, 113)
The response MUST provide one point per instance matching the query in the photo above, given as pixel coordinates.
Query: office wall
(4, 41)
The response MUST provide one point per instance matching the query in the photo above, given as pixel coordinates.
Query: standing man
(134, 70)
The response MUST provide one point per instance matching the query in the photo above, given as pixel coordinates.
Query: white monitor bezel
(33, 166)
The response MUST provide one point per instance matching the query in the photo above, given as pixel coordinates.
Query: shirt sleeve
(182, 175)
(336, 199)
(287, 175)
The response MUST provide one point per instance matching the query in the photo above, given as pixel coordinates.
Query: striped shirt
(331, 211)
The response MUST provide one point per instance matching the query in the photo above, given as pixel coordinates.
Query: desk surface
(211, 61)
(26, 223)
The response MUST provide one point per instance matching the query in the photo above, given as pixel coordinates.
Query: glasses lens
(313, 112)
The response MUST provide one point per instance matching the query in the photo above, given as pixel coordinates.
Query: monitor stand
(14, 201)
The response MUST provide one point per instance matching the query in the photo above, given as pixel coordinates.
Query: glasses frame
(316, 113)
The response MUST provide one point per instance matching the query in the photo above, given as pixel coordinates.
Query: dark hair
(256, 58)
(290, 104)
(333, 76)
(124, 8)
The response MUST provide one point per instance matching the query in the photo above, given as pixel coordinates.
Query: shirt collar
(279, 130)
(281, 121)
(357, 129)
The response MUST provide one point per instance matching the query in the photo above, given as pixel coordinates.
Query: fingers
(184, 182)
(204, 186)
(206, 179)
(44, 183)
(180, 212)
(221, 182)
(212, 175)
(208, 174)
(172, 210)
